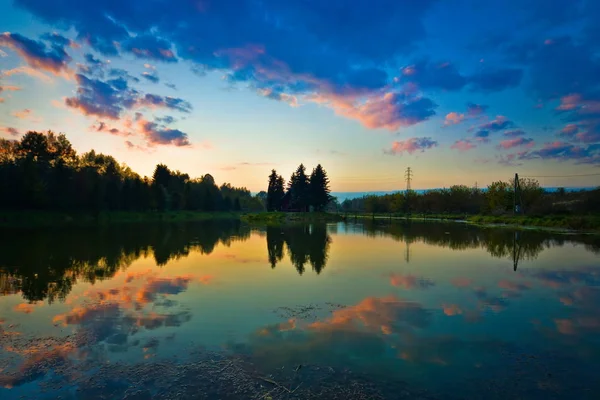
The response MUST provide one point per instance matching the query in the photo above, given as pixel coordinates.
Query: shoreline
(578, 224)
(551, 223)
(35, 219)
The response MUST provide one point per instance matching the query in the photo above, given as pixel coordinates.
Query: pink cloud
(463, 145)
(412, 145)
(569, 102)
(517, 142)
(23, 114)
(453, 118)
(569, 130)
(11, 88)
(26, 70)
(27, 114)
(589, 135)
(391, 110)
(576, 102)
(474, 111)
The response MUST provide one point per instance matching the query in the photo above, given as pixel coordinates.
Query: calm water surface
(373, 310)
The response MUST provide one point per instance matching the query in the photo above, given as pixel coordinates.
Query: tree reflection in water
(45, 264)
(304, 243)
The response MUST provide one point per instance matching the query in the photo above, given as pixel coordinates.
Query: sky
(463, 92)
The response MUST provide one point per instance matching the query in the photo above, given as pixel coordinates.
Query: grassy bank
(581, 223)
(281, 217)
(43, 218)
(590, 223)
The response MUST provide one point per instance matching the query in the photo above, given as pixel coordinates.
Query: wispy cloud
(463, 145)
(517, 142)
(412, 145)
(27, 70)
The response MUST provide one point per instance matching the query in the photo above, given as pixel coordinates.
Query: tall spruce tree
(319, 189)
(272, 199)
(299, 189)
(279, 191)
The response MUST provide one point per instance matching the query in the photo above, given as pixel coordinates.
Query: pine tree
(279, 191)
(298, 187)
(319, 189)
(272, 198)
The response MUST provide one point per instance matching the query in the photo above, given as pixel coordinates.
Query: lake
(372, 310)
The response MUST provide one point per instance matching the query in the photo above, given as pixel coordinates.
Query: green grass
(583, 223)
(51, 218)
(281, 217)
(586, 223)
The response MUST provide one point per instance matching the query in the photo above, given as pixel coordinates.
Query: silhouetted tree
(319, 189)
(299, 190)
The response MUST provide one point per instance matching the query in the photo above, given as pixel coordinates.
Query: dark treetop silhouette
(303, 192)
(42, 171)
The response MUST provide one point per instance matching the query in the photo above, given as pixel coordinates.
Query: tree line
(497, 199)
(42, 171)
(303, 192)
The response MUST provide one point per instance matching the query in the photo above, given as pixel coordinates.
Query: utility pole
(408, 177)
(517, 205)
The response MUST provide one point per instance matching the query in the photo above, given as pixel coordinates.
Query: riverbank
(49, 218)
(577, 223)
(283, 217)
(587, 224)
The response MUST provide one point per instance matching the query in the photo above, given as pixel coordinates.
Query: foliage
(303, 192)
(275, 191)
(318, 189)
(43, 172)
(298, 186)
(497, 200)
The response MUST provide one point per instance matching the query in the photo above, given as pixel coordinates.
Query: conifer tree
(319, 189)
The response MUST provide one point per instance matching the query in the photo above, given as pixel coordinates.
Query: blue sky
(463, 91)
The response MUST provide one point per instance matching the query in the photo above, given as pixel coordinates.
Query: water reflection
(128, 298)
(499, 243)
(45, 265)
(306, 244)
